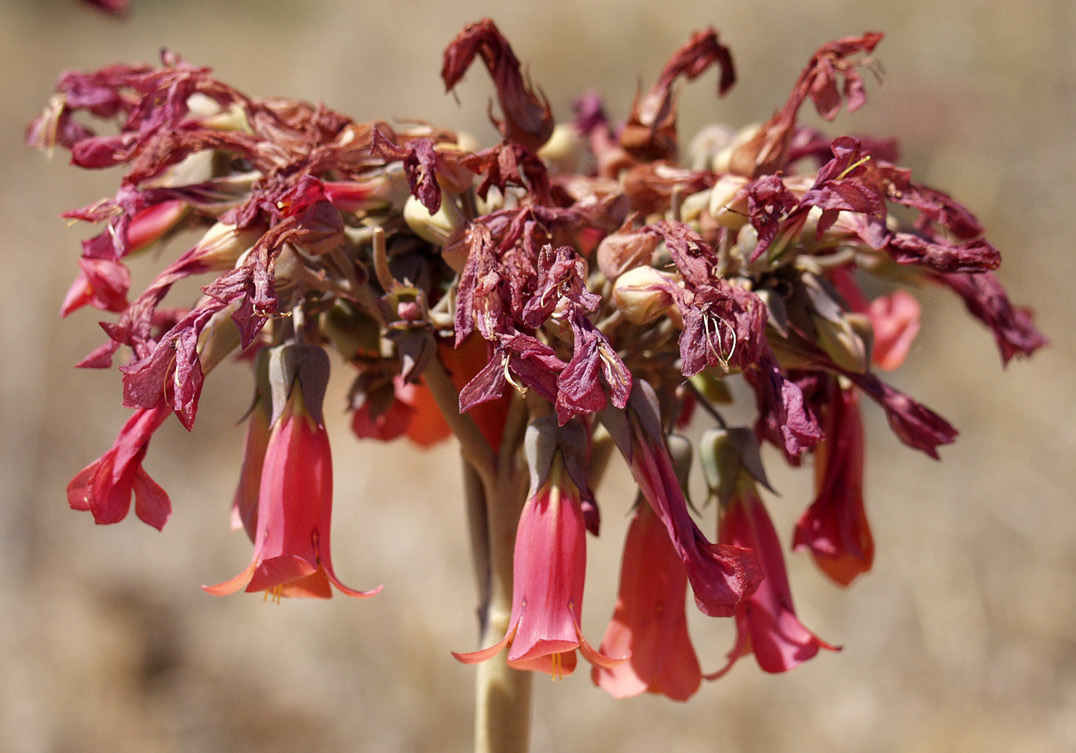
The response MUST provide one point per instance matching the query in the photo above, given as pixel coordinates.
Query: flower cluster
(575, 288)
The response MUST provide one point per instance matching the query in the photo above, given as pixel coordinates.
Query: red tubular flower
(835, 526)
(105, 486)
(291, 543)
(766, 622)
(547, 585)
(650, 622)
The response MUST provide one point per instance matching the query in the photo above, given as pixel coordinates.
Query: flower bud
(563, 151)
(642, 294)
(619, 252)
(839, 339)
(352, 333)
(728, 202)
(223, 244)
(153, 223)
(437, 227)
(219, 338)
(724, 158)
(707, 144)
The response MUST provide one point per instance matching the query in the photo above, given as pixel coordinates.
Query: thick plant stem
(502, 707)
(495, 487)
(502, 694)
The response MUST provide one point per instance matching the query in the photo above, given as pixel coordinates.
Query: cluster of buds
(572, 289)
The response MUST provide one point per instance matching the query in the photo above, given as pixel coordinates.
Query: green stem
(502, 694)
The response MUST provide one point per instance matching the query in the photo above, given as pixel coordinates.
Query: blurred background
(962, 639)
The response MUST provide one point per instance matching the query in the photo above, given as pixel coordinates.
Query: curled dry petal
(650, 132)
(768, 151)
(914, 424)
(528, 119)
(985, 298)
(784, 417)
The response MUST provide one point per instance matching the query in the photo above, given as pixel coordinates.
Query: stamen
(520, 388)
(711, 333)
(611, 374)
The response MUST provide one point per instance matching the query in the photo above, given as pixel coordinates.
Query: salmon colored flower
(835, 526)
(105, 486)
(895, 320)
(291, 542)
(549, 571)
(650, 621)
(766, 621)
(411, 411)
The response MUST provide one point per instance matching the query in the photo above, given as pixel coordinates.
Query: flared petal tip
(596, 657)
(355, 593)
(477, 657)
(232, 585)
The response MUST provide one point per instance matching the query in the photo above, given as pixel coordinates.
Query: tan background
(964, 637)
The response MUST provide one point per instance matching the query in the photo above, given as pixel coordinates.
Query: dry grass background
(964, 637)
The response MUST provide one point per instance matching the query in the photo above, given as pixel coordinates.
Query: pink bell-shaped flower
(549, 564)
(294, 511)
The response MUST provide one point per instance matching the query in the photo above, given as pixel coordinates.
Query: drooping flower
(105, 486)
(650, 621)
(549, 566)
(721, 575)
(291, 543)
(835, 526)
(766, 621)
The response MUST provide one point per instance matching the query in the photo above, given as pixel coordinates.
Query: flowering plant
(573, 290)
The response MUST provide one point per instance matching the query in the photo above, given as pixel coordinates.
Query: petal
(556, 663)
(597, 658)
(232, 585)
(152, 505)
(344, 589)
(475, 657)
(78, 489)
(280, 571)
